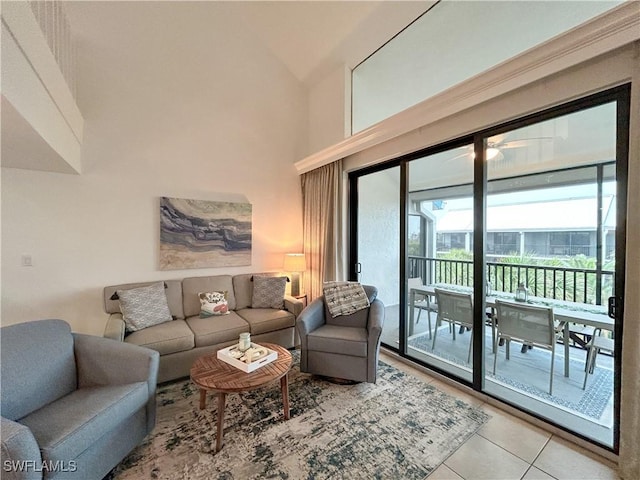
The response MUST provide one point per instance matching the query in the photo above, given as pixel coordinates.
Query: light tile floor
(507, 447)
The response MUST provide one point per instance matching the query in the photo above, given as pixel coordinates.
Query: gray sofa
(188, 336)
(345, 347)
(73, 406)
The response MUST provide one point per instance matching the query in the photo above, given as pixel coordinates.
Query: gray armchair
(345, 347)
(73, 406)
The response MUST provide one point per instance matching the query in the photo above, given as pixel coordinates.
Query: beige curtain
(322, 226)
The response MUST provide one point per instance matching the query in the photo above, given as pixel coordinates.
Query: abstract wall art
(200, 234)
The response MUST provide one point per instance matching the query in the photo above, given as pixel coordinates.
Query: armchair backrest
(38, 366)
(358, 319)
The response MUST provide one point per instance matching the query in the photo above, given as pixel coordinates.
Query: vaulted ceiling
(309, 37)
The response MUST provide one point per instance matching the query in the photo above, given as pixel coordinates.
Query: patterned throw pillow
(268, 292)
(344, 298)
(213, 303)
(144, 306)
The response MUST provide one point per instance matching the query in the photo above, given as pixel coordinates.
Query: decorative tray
(261, 356)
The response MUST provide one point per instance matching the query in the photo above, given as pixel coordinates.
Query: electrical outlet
(27, 261)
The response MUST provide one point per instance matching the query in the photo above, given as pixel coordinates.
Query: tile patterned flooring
(510, 448)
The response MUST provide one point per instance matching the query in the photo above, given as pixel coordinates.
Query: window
(452, 42)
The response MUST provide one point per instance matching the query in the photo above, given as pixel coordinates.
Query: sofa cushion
(243, 288)
(67, 427)
(341, 340)
(263, 320)
(173, 292)
(168, 337)
(144, 307)
(38, 366)
(213, 303)
(268, 292)
(193, 286)
(215, 330)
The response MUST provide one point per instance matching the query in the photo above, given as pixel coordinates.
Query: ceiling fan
(498, 143)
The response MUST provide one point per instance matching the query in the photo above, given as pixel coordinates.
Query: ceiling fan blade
(522, 143)
(466, 154)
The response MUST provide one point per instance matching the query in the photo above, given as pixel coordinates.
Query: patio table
(564, 312)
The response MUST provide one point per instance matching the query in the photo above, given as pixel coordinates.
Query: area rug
(529, 373)
(399, 427)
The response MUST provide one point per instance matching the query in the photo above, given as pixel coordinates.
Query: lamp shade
(294, 262)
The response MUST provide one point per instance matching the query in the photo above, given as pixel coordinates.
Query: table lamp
(295, 263)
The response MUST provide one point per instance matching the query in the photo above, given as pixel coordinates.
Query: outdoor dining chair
(422, 302)
(457, 309)
(594, 347)
(528, 324)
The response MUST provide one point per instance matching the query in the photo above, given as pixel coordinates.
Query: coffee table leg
(221, 400)
(284, 386)
(203, 398)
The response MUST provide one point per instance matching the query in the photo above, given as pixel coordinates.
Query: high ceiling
(309, 37)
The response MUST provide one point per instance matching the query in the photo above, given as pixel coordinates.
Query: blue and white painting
(200, 234)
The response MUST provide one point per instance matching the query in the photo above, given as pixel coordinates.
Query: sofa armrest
(293, 305)
(115, 327)
(20, 454)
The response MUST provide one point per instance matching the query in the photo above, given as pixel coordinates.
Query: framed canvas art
(200, 234)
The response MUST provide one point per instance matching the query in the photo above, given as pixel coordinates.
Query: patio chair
(457, 309)
(594, 347)
(422, 302)
(529, 324)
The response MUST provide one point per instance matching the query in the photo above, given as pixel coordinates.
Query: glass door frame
(621, 96)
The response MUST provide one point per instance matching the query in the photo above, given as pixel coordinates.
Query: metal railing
(560, 283)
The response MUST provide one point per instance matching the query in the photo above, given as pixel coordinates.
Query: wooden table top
(209, 373)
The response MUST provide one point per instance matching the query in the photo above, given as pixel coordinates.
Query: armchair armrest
(115, 327)
(293, 305)
(376, 319)
(374, 327)
(310, 318)
(20, 453)
(102, 361)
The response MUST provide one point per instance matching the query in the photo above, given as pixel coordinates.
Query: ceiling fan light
(492, 153)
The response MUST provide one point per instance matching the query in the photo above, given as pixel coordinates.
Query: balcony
(582, 285)
(522, 380)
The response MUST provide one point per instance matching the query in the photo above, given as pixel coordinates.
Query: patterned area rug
(529, 373)
(398, 428)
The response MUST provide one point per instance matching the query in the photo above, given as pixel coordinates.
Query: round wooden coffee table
(213, 375)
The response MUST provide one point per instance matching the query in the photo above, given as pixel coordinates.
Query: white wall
(379, 232)
(330, 110)
(201, 112)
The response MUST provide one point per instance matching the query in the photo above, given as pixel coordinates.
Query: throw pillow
(344, 298)
(144, 307)
(213, 303)
(268, 292)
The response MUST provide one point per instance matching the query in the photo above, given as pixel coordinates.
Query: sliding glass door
(551, 230)
(514, 225)
(378, 242)
(440, 189)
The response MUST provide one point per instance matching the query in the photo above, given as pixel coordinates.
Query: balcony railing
(581, 285)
